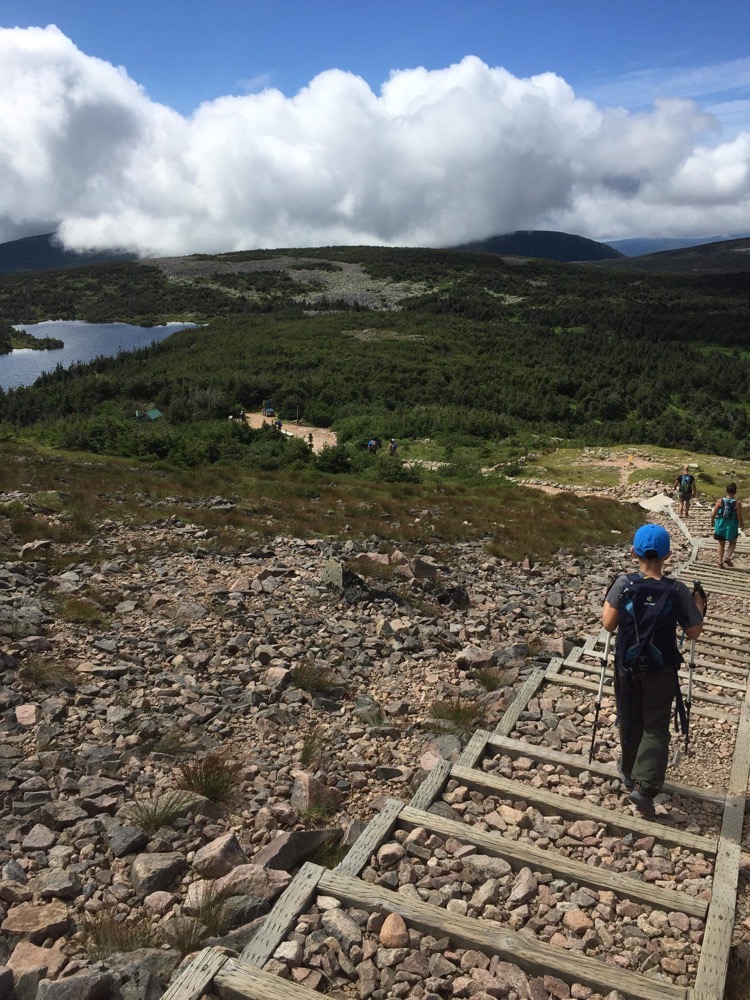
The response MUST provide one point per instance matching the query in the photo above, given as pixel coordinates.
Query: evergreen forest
(456, 347)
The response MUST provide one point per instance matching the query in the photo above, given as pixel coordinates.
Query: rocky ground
(137, 684)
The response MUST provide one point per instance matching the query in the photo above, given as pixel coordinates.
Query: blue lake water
(83, 342)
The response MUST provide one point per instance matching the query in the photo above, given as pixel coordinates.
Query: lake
(83, 342)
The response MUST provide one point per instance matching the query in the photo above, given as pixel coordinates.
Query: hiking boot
(629, 783)
(643, 803)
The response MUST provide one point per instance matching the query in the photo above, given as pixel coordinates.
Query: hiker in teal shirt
(727, 519)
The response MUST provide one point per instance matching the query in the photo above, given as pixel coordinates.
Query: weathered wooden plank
(735, 632)
(718, 586)
(717, 940)
(474, 750)
(196, 978)
(559, 805)
(732, 619)
(700, 661)
(553, 668)
(521, 853)
(432, 786)
(377, 830)
(734, 647)
(698, 677)
(494, 939)
(239, 981)
(519, 703)
(295, 899)
(707, 713)
(577, 763)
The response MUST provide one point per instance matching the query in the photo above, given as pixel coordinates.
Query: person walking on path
(685, 485)
(392, 446)
(726, 520)
(646, 609)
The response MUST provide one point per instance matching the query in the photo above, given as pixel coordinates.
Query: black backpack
(647, 626)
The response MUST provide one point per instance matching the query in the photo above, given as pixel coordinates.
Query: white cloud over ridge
(436, 158)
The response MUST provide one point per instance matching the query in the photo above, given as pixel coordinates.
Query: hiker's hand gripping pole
(598, 702)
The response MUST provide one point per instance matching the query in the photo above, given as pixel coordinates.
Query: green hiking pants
(644, 715)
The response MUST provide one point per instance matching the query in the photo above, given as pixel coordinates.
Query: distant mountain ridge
(639, 246)
(544, 244)
(722, 257)
(41, 253)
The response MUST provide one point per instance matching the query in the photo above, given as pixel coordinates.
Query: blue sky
(522, 136)
(188, 51)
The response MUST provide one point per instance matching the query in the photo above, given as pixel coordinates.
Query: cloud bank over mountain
(436, 158)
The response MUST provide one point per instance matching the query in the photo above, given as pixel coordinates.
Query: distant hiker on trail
(392, 446)
(685, 485)
(646, 608)
(726, 520)
(372, 446)
(310, 441)
(277, 425)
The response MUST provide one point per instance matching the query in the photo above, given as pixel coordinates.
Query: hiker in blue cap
(646, 608)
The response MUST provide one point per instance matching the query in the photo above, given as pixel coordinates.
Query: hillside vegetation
(466, 349)
(40, 253)
(722, 257)
(546, 244)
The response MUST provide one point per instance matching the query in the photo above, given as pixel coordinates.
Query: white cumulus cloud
(435, 158)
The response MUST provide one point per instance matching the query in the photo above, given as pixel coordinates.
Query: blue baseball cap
(652, 538)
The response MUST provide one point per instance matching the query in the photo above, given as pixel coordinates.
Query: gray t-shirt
(687, 613)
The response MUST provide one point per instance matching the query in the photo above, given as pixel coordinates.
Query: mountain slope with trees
(42, 253)
(722, 257)
(544, 244)
(478, 349)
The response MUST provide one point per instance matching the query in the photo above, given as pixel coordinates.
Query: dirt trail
(321, 437)
(624, 465)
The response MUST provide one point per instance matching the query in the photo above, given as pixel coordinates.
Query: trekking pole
(598, 702)
(689, 699)
(697, 589)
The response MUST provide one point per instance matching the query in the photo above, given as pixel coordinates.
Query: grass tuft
(317, 817)
(188, 933)
(494, 678)
(311, 753)
(214, 777)
(376, 718)
(109, 933)
(185, 934)
(78, 610)
(328, 854)
(459, 716)
(152, 814)
(314, 679)
(38, 672)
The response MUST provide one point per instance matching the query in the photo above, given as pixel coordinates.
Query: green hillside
(722, 257)
(42, 253)
(470, 350)
(547, 244)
